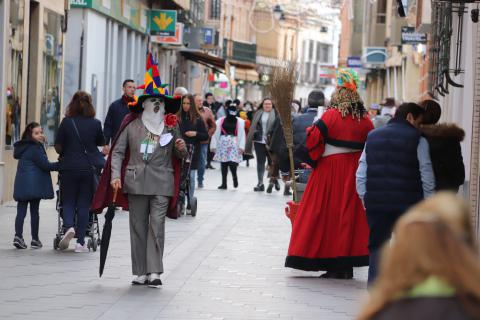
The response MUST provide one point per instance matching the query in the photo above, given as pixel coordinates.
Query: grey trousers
(147, 232)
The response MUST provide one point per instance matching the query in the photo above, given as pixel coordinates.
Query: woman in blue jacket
(32, 181)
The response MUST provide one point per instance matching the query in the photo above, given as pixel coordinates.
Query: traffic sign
(163, 22)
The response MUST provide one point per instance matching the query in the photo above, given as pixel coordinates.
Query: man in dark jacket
(116, 112)
(395, 172)
(300, 123)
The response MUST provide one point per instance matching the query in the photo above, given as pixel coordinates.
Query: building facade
(32, 42)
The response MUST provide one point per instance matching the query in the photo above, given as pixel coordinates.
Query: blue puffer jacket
(394, 181)
(33, 180)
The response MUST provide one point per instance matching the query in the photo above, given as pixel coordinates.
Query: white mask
(153, 115)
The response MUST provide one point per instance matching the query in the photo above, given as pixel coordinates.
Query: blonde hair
(434, 238)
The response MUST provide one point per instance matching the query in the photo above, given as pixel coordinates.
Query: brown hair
(80, 105)
(193, 113)
(435, 238)
(27, 134)
(433, 111)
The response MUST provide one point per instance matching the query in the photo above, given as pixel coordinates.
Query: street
(226, 263)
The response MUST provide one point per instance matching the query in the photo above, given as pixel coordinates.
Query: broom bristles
(281, 90)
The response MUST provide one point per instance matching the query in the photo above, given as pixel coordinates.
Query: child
(32, 181)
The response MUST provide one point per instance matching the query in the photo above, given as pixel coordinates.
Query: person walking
(432, 269)
(32, 182)
(213, 106)
(244, 117)
(262, 124)
(193, 130)
(330, 231)
(78, 138)
(228, 144)
(395, 172)
(445, 150)
(210, 124)
(117, 112)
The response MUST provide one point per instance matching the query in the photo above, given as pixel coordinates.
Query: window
(310, 50)
(306, 74)
(323, 53)
(125, 10)
(314, 76)
(381, 11)
(214, 10)
(107, 4)
(14, 73)
(52, 71)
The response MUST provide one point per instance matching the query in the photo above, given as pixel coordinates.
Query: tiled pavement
(226, 263)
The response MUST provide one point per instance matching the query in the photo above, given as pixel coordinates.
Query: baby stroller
(93, 229)
(185, 203)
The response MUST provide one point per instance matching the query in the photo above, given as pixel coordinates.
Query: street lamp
(278, 13)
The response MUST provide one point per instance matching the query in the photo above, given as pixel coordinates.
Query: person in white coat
(228, 144)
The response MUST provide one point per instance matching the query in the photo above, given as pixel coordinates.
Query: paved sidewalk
(226, 263)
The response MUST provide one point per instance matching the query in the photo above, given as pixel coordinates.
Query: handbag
(95, 165)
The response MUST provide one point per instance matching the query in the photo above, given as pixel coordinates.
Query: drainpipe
(395, 91)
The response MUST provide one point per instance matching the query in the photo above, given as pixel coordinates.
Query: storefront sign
(354, 62)
(409, 36)
(81, 3)
(328, 72)
(177, 39)
(163, 22)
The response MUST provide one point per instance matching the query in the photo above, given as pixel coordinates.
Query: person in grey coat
(153, 140)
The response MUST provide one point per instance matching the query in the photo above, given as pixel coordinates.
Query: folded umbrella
(107, 232)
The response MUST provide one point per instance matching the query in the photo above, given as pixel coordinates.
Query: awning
(243, 70)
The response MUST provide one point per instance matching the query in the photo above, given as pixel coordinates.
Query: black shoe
(235, 182)
(277, 185)
(270, 188)
(259, 188)
(209, 166)
(19, 243)
(287, 191)
(342, 275)
(223, 187)
(200, 186)
(36, 244)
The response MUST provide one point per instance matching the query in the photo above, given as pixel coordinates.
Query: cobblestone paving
(226, 263)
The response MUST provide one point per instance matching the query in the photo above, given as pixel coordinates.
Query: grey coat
(256, 130)
(153, 176)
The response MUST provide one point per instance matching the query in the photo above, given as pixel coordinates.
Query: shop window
(52, 71)
(14, 73)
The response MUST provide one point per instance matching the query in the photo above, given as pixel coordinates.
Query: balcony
(239, 51)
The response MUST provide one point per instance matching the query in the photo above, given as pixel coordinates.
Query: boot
(286, 191)
(235, 182)
(277, 184)
(259, 188)
(270, 187)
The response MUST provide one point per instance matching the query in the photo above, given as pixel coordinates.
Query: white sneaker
(65, 242)
(154, 280)
(140, 280)
(79, 248)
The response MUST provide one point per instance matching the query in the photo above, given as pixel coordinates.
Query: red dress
(330, 230)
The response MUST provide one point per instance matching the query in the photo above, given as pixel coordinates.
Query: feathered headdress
(346, 98)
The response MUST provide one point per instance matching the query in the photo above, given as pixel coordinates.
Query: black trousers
(233, 169)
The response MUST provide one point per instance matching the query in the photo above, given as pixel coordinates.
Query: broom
(281, 88)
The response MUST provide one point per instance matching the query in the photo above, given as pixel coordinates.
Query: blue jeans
(373, 265)
(34, 217)
(202, 162)
(191, 189)
(77, 193)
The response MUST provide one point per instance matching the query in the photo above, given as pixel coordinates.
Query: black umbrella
(107, 232)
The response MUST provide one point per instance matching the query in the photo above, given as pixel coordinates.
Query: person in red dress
(330, 231)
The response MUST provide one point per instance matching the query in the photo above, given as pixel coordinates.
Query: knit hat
(346, 98)
(153, 87)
